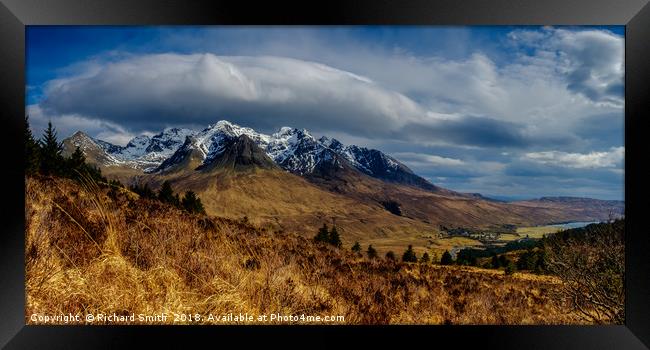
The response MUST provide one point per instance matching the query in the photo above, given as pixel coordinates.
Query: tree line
(45, 157)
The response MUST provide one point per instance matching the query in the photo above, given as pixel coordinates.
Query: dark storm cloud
(470, 130)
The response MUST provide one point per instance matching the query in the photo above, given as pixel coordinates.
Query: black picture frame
(634, 14)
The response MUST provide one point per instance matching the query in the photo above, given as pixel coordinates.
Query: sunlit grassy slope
(89, 253)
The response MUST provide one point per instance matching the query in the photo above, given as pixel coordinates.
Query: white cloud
(422, 159)
(608, 159)
(68, 124)
(202, 88)
(591, 61)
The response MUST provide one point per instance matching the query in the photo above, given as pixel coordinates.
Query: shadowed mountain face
(239, 154)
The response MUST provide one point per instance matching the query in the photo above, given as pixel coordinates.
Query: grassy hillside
(281, 201)
(88, 251)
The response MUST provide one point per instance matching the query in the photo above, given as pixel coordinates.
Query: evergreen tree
(76, 164)
(510, 268)
(425, 258)
(31, 150)
(334, 238)
(446, 258)
(166, 194)
(322, 235)
(372, 252)
(192, 203)
(51, 149)
(356, 248)
(144, 191)
(409, 255)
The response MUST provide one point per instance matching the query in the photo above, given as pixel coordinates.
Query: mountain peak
(331, 143)
(80, 134)
(241, 153)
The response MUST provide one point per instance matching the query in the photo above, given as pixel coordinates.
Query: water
(574, 224)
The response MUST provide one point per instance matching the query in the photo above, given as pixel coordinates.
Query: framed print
(380, 170)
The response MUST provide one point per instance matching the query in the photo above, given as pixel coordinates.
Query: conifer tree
(409, 255)
(31, 150)
(356, 248)
(166, 194)
(51, 149)
(322, 235)
(192, 203)
(75, 164)
(334, 238)
(372, 252)
(425, 258)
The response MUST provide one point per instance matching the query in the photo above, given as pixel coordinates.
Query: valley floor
(89, 251)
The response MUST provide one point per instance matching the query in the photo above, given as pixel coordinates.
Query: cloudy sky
(510, 112)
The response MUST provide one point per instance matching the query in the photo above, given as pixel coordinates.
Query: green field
(537, 231)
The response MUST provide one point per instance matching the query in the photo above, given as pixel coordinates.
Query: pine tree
(76, 164)
(334, 238)
(356, 248)
(166, 194)
(51, 149)
(425, 258)
(446, 258)
(372, 252)
(31, 150)
(322, 235)
(192, 203)
(409, 255)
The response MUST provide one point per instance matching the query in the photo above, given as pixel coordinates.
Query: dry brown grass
(89, 253)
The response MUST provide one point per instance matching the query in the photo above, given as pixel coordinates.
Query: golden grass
(537, 231)
(89, 253)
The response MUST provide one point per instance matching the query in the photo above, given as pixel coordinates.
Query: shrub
(322, 235)
(390, 256)
(446, 258)
(591, 263)
(372, 252)
(356, 248)
(393, 207)
(192, 204)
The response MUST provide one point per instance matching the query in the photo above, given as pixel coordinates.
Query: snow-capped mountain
(294, 150)
(142, 152)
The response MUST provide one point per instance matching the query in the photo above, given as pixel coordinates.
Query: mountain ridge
(294, 150)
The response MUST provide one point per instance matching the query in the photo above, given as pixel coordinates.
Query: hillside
(91, 250)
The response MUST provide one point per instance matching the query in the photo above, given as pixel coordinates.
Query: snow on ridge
(295, 150)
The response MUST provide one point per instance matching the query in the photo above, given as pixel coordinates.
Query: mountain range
(292, 181)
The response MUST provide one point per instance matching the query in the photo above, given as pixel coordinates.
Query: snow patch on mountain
(295, 150)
